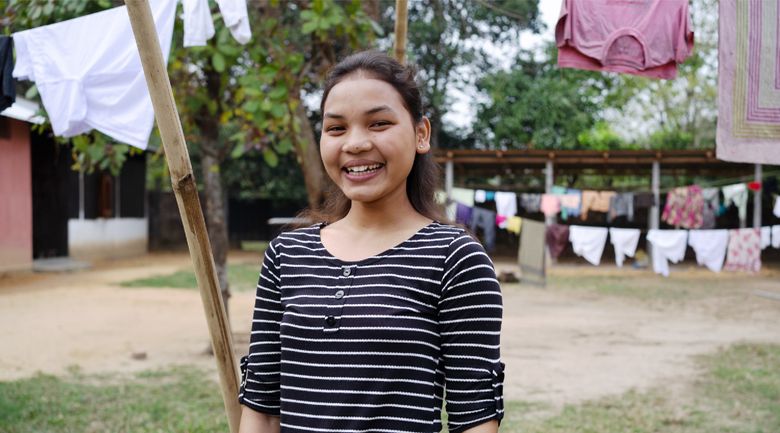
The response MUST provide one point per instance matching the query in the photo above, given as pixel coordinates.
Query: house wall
(16, 236)
(107, 238)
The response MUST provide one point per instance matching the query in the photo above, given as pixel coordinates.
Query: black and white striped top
(370, 346)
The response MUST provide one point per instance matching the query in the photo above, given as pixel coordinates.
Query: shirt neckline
(351, 263)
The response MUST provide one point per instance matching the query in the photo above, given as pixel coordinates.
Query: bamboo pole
(401, 18)
(186, 192)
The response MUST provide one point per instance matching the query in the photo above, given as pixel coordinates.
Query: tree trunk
(211, 156)
(215, 216)
(308, 152)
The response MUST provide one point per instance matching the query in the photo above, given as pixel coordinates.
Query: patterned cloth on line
(556, 236)
(744, 252)
(684, 207)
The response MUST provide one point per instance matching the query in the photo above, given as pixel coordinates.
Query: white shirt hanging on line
(236, 19)
(710, 247)
(88, 72)
(588, 242)
(776, 210)
(776, 236)
(624, 241)
(766, 237)
(198, 26)
(668, 245)
(506, 205)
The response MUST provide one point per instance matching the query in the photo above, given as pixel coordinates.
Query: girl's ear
(423, 135)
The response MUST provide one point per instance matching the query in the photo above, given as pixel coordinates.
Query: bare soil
(561, 345)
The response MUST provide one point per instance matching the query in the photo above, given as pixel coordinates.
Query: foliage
(538, 105)
(241, 276)
(453, 42)
(601, 137)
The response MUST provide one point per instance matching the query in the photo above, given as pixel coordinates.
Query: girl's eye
(380, 124)
(334, 129)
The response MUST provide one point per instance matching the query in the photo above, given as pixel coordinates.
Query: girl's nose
(357, 146)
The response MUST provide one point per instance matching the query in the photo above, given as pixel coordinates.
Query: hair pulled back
(425, 175)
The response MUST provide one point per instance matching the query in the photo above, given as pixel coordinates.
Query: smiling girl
(372, 318)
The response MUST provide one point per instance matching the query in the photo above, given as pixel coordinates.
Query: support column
(757, 198)
(549, 179)
(449, 177)
(81, 193)
(654, 219)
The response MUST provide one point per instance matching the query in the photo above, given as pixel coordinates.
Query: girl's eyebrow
(374, 110)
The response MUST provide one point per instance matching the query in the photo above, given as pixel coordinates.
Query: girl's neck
(391, 212)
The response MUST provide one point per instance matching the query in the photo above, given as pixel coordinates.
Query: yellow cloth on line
(513, 224)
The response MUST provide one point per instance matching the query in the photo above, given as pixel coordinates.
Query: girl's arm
(488, 427)
(253, 421)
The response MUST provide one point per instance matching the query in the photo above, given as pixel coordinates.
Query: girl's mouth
(363, 169)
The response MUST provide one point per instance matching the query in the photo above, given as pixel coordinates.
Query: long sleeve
(260, 370)
(470, 312)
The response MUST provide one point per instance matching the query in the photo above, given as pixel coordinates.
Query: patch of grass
(173, 400)
(242, 277)
(739, 392)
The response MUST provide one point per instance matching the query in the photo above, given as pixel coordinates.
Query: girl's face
(368, 139)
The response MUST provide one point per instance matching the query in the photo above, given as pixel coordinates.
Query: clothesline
(704, 184)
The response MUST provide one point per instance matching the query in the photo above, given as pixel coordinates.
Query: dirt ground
(561, 345)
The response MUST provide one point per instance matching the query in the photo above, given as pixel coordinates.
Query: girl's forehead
(358, 91)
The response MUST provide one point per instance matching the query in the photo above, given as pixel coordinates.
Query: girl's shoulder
(300, 236)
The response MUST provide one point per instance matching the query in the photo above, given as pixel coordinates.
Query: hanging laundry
(88, 72)
(776, 209)
(198, 25)
(668, 245)
(748, 99)
(588, 242)
(531, 253)
(514, 224)
(463, 214)
(710, 208)
(621, 204)
(625, 242)
(737, 195)
(766, 237)
(550, 205)
(684, 207)
(570, 203)
(500, 221)
(7, 84)
(506, 205)
(463, 196)
(531, 202)
(647, 38)
(556, 236)
(485, 220)
(710, 247)
(236, 19)
(480, 196)
(595, 201)
(776, 236)
(744, 251)
(644, 200)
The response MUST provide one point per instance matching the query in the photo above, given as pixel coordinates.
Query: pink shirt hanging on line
(640, 37)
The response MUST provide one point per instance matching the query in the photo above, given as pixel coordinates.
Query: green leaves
(218, 61)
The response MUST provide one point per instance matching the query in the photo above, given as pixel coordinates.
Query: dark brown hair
(424, 177)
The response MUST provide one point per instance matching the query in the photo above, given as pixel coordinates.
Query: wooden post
(186, 192)
(400, 30)
(549, 181)
(655, 182)
(757, 198)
